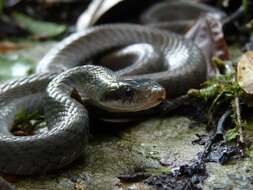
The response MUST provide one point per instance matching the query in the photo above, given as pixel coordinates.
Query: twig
(238, 118)
(234, 16)
(218, 135)
(239, 121)
(220, 126)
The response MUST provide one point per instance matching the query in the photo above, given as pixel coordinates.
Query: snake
(73, 74)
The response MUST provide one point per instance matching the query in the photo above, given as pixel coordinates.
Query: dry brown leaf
(208, 34)
(7, 46)
(245, 72)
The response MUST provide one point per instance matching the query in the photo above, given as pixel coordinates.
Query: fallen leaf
(40, 29)
(245, 72)
(208, 34)
(6, 46)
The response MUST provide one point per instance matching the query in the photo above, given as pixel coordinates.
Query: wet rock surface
(117, 151)
(185, 177)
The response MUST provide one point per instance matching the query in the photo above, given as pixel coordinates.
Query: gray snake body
(67, 119)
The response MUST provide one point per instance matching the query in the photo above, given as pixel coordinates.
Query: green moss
(223, 85)
(26, 123)
(231, 135)
(157, 171)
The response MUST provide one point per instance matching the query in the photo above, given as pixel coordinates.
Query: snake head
(132, 95)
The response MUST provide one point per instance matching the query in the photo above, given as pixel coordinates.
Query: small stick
(234, 16)
(220, 126)
(238, 120)
(218, 135)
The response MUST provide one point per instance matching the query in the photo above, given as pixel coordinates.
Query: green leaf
(39, 28)
(231, 134)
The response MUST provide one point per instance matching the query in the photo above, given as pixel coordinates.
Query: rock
(167, 141)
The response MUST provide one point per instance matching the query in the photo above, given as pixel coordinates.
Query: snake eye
(129, 92)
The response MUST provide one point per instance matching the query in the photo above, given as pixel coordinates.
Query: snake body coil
(67, 120)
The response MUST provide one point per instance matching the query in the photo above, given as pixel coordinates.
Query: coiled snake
(60, 80)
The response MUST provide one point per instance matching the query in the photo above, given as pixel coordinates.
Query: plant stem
(239, 120)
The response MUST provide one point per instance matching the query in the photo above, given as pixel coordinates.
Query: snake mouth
(162, 95)
(158, 95)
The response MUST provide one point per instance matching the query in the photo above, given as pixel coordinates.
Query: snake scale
(65, 81)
